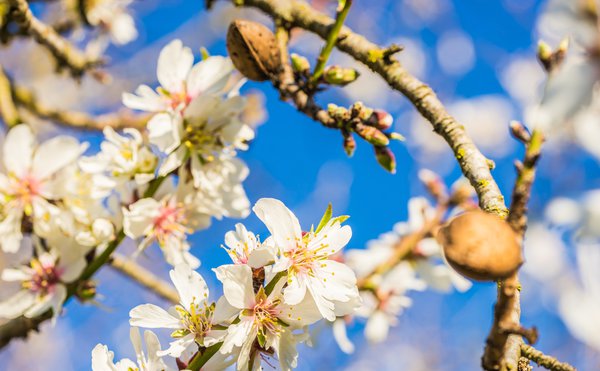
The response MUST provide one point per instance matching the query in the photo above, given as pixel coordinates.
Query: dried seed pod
(481, 246)
(253, 49)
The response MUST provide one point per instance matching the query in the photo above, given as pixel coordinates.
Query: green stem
(201, 358)
(269, 288)
(330, 42)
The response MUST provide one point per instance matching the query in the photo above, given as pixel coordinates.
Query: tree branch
(67, 55)
(503, 347)
(144, 277)
(474, 165)
(9, 112)
(74, 119)
(544, 360)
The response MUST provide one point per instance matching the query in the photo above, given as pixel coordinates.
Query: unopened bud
(336, 112)
(372, 135)
(299, 63)
(550, 59)
(349, 144)
(433, 182)
(386, 158)
(381, 119)
(519, 131)
(397, 136)
(336, 75)
(462, 192)
(86, 291)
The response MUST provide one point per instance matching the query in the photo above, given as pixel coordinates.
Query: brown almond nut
(253, 50)
(481, 246)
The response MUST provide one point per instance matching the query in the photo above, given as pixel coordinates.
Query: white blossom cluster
(60, 209)
(108, 21)
(272, 291)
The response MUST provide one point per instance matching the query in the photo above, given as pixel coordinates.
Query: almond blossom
(102, 358)
(122, 157)
(245, 248)
(210, 126)
(192, 320)
(264, 317)
(30, 181)
(43, 281)
(167, 221)
(305, 259)
(181, 81)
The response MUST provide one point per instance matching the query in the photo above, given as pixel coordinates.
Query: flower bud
(349, 144)
(299, 63)
(336, 75)
(371, 135)
(86, 291)
(386, 158)
(519, 131)
(253, 50)
(550, 59)
(381, 119)
(462, 193)
(481, 246)
(434, 184)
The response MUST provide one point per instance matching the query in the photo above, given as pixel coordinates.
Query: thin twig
(544, 360)
(474, 165)
(9, 112)
(502, 347)
(144, 277)
(74, 119)
(66, 54)
(404, 247)
(330, 42)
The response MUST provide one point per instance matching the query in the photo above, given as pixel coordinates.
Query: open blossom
(29, 183)
(382, 307)
(244, 247)
(122, 157)
(102, 358)
(304, 258)
(43, 282)
(113, 18)
(209, 126)
(192, 319)
(264, 317)
(181, 81)
(167, 221)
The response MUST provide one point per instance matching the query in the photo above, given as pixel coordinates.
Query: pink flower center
(46, 276)
(180, 99)
(25, 189)
(170, 221)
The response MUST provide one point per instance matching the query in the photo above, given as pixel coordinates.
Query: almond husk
(481, 246)
(253, 50)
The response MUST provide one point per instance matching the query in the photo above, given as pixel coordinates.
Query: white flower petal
(55, 154)
(280, 221)
(189, 284)
(19, 145)
(174, 64)
(152, 316)
(237, 284)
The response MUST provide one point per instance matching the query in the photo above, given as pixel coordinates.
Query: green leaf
(340, 219)
(325, 219)
(204, 53)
